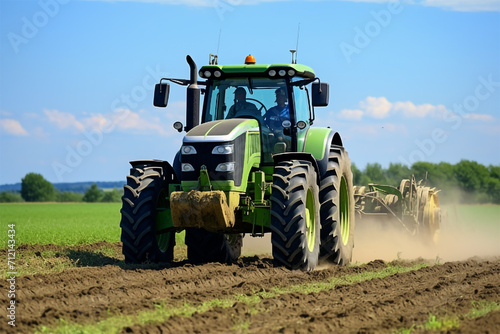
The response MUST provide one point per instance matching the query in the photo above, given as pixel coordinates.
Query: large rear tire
(204, 246)
(337, 209)
(295, 223)
(144, 196)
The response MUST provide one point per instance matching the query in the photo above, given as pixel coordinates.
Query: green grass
(447, 322)
(482, 308)
(60, 223)
(485, 216)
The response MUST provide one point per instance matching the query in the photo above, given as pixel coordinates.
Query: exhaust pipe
(192, 97)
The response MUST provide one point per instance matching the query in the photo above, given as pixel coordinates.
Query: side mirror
(161, 94)
(320, 94)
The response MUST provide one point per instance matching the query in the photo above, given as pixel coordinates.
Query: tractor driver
(241, 107)
(277, 114)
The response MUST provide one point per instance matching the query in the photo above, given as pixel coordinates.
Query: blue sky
(409, 80)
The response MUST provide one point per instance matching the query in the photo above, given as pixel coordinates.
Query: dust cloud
(256, 245)
(459, 239)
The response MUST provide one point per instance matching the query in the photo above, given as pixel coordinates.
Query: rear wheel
(204, 246)
(295, 223)
(337, 209)
(144, 236)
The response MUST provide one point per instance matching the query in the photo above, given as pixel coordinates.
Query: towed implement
(250, 163)
(411, 207)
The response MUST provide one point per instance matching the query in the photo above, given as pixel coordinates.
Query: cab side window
(302, 107)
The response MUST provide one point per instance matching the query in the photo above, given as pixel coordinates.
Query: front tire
(144, 196)
(337, 209)
(295, 223)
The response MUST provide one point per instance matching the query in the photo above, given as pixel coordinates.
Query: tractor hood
(221, 130)
(226, 149)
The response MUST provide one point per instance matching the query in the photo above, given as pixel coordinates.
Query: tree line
(464, 182)
(35, 188)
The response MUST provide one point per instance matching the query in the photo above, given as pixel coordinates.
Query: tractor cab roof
(273, 71)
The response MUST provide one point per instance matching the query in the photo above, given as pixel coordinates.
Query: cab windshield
(239, 97)
(263, 99)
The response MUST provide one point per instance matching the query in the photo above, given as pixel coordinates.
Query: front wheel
(295, 223)
(143, 236)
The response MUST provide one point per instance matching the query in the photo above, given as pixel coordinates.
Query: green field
(485, 217)
(85, 223)
(60, 223)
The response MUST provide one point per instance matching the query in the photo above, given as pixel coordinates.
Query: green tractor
(250, 163)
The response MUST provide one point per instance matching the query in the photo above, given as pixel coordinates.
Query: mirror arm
(182, 82)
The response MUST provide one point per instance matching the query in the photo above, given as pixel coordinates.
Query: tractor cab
(279, 97)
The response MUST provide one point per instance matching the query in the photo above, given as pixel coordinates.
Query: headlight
(291, 73)
(223, 149)
(282, 73)
(225, 167)
(217, 74)
(207, 74)
(187, 150)
(272, 73)
(187, 167)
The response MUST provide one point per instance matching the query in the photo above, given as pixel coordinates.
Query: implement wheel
(295, 220)
(204, 246)
(337, 209)
(429, 214)
(143, 238)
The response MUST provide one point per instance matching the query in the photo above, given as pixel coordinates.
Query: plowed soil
(103, 287)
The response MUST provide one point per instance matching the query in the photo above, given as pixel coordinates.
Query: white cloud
(128, 120)
(12, 127)
(380, 107)
(480, 117)
(64, 120)
(376, 107)
(199, 3)
(351, 114)
(409, 109)
(465, 5)
(455, 5)
(122, 119)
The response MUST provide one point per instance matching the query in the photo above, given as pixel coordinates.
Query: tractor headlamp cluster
(188, 150)
(281, 72)
(223, 149)
(208, 73)
(225, 167)
(187, 167)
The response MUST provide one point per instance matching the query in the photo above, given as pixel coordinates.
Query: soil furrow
(91, 294)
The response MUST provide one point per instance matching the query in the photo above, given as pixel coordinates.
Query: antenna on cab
(294, 52)
(213, 59)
